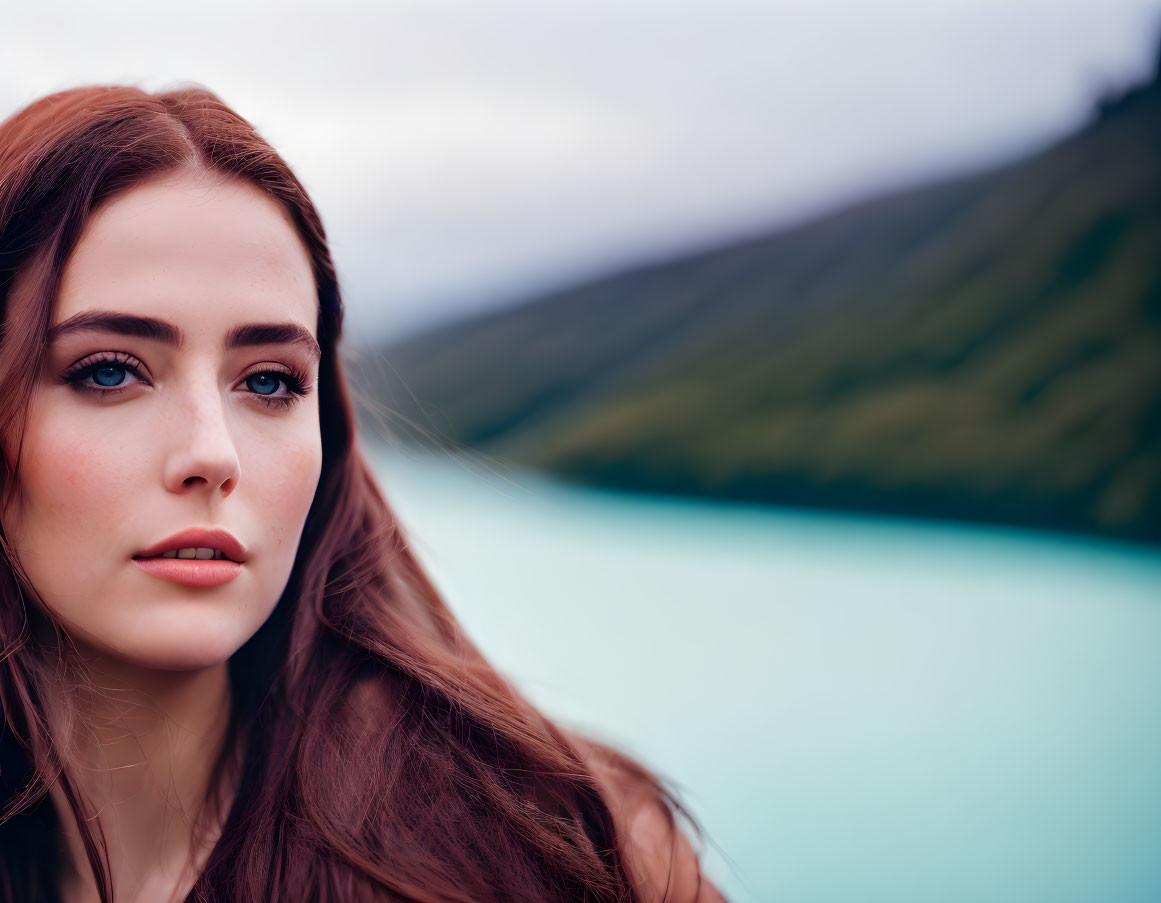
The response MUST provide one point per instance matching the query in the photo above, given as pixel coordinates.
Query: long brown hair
(384, 758)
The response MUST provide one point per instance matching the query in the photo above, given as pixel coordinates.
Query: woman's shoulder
(660, 857)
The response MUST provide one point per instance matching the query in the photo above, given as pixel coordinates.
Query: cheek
(76, 489)
(283, 473)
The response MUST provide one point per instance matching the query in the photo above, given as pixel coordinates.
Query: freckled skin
(103, 478)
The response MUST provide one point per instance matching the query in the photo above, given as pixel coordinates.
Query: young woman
(223, 674)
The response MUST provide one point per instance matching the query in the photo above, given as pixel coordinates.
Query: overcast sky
(465, 153)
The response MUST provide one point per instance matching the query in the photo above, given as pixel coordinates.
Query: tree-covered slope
(987, 348)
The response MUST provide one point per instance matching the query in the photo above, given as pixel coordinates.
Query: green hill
(987, 348)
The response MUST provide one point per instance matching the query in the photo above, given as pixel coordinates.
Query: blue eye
(108, 375)
(105, 376)
(262, 383)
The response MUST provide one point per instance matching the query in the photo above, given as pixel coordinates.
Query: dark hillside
(987, 348)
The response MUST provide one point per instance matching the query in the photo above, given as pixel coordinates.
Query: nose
(203, 455)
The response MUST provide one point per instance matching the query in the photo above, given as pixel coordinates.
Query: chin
(195, 648)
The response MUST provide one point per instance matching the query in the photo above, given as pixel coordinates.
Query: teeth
(198, 553)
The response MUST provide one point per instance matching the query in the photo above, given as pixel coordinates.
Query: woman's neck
(145, 749)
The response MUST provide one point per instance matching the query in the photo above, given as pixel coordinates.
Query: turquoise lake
(856, 709)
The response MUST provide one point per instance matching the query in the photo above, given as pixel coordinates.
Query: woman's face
(183, 335)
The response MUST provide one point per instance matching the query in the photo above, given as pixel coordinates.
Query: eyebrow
(244, 336)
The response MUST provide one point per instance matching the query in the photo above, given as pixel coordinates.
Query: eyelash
(292, 378)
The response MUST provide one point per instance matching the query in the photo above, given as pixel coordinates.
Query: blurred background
(772, 388)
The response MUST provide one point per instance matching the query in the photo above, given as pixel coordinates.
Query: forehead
(200, 250)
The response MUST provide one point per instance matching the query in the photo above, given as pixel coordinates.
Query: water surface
(856, 709)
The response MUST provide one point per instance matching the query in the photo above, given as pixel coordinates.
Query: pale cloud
(464, 153)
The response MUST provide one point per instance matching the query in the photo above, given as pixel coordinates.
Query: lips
(197, 538)
(193, 571)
